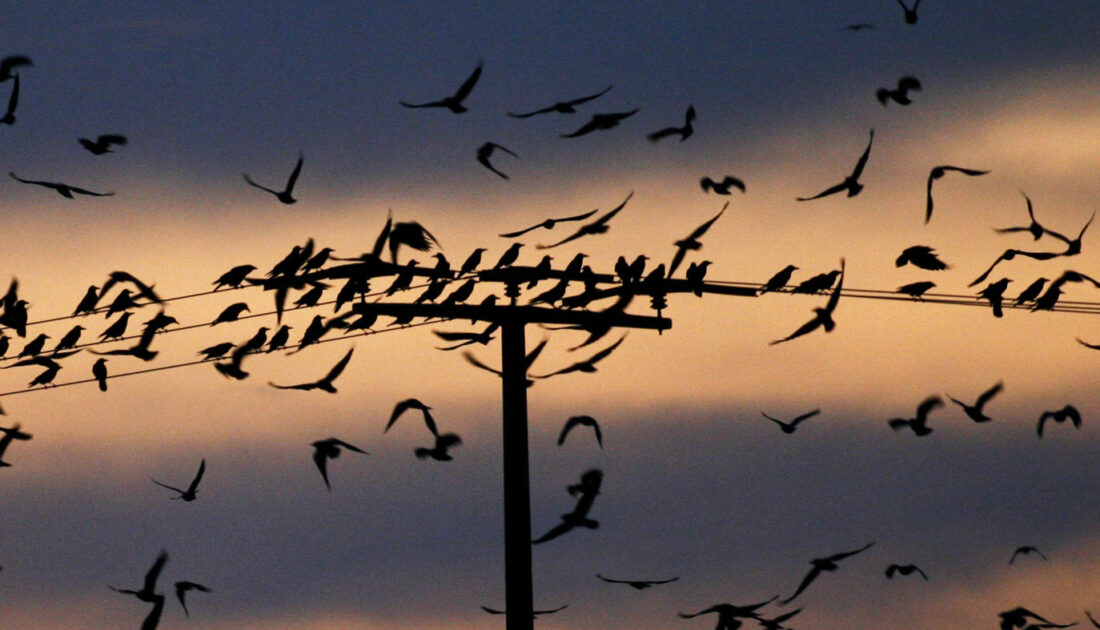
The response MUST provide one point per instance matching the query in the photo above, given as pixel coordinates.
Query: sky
(697, 484)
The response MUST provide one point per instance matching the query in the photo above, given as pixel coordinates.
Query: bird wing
(858, 170)
(294, 174)
(810, 577)
(928, 203)
(198, 476)
(664, 133)
(152, 620)
(566, 428)
(825, 193)
(544, 110)
(321, 460)
(468, 85)
(844, 554)
(430, 422)
(472, 360)
(585, 99)
(806, 328)
(164, 485)
(261, 187)
(610, 581)
(966, 171)
(305, 387)
(339, 367)
(702, 229)
(347, 446)
(154, 572)
(611, 213)
(586, 128)
(554, 532)
(830, 306)
(926, 407)
(805, 416)
(1010, 253)
(988, 394)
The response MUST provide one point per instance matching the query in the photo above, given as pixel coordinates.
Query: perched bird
(974, 412)
(586, 492)
(899, 95)
(938, 172)
(117, 329)
(230, 313)
(637, 584)
(921, 256)
(13, 101)
(509, 256)
(919, 423)
(600, 122)
(286, 194)
(7, 64)
(181, 589)
(473, 261)
(324, 450)
(587, 421)
(462, 293)
(692, 242)
(588, 365)
(311, 297)
(103, 143)
(1069, 412)
(1031, 292)
(780, 280)
(88, 302)
(439, 452)
(217, 350)
(994, 292)
(597, 226)
(99, 371)
(486, 150)
(412, 403)
(723, 187)
(851, 183)
(695, 274)
(910, 12)
(65, 190)
(10, 434)
(818, 565)
(916, 290)
(1025, 550)
(904, 569)
(317, 260)
(34, 346)
(562, 107)
(684, 132)
(48, 375)
(453, 102)
(823, 317)
(790, 426)
(325, 383)
(147, 592)
(548, 224)
(191, 493)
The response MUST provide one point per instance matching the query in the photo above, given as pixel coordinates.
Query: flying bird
(548, 224)
(1073, 246)
(411, 234)
(1034, 227)
(637, 584)
(692, 242)
(486, 150)
(587, 421)
(588, 365)
(728, 614)
(904, 569)
(975, 412)
(723, 187)
(103, 143)
(921, 256)
(818, 565)
(453, 102)
(918, 423)
(324, 450)
(938, 172)
(13, 101)
(851, 183)
(7, 64)
(191, 493)
(1025, 550)
(823, 317)
(412, 403)
(65, 190)
(10, 434)
(147, 592)
(325, 383)
(916, 290)
(684, 132)
(1069, 412)
(1017, 618)
(597, 226)
(600, 122)
(586, 492)
(789, 427)
(899, 95)
(284, 195)
(562, 107)
(181, 590)
(439, 452)
(910, 12)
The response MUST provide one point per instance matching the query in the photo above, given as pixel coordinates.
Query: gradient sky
(697, 484)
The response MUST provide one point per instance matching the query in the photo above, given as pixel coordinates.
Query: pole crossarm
(517, 314)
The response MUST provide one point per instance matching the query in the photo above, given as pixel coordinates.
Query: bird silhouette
(975, 412)
(899, 95)
(600, 122)
(216, 351)
(234, 277)
(181, 590)
(439, 452)
(191, 493)
(549, 224)
(692, 242)
(13, 101)
(1034, 227)
(587, 365)
(562, 107)
(410, 234)
(695, 274)
(460, 339)
(938, 172)
(534, 613)
(729, 614)
(910, 12)
(851, 183)
(585, 492)
(286, 194)
(916, 290)
(412, 403)
(790, 426)
(858, 26)
(1073, 246)
(46, 377)
(574, 421)
(473, 261)
(453, 102)
(723, 187)
(141, 289)
(10, 62)
(1017, 618)
(776, 623)
(904, 569)
(65, 190)
(919, 423)
(1069, 412)
(818, 565)
(1032, 292)
(486, 150)
(230, 313)
(325, 383)
(10, 434)
(597, 226)
(324, 450)
(1092, 619)
(823, 317)
(34, 346)
(1025, 550)
(921, 256)
(147, 592)
(99, 371)
(117, 329)
(103, 143)
(994, 293)
(528, 360)
(780, 279)
(684, 132)
(640, 585)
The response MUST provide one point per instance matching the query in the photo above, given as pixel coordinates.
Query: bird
(486, 150)
(938, 172)
(191, 493)
(231, 313)
(574, 421)
(141, 289)
(65, 190)
(34, 346)
(453, 102)
(1073, 246)
(588, 365)
(776, 623)
(789, 426)
(1069, 412)
(13, 101)
(586, 492)
(779, 280)
(217, 350)
(596, 226)
(317, 260)
(11, 433)
(1031, 292)
(728, 614)
(279, 339)
(412, 403)
(534, 613)
(899, 95)
(695, 274)
(1092, 619)
(823, 317)
(684, 132)
(904, 569)
(103, 143)
(600, 122)
(817, 284)
(460, 339)
(1034, 227)
(324, 450)
(974, 412)
(918, 423)
(858, 26)
(286, 194)
(910, 12)
(473, 261)
(439, 452)
(411, 234)
(99, 371)
(1017, 618)
(994, 292)
(1025, 550)
(921, 256)
(818, 565)
(548, 224)
(117, 329)
(851, 183)
(181, 589)
(88, 303)
(692, 242)
(637, 584)
(722, 187)
(48, 375)
(325, 383)
(916, 290)
(562, 107)
(7, 64)
(311, 297)
(147, 592)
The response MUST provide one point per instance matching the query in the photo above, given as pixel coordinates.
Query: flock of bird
(311, 271)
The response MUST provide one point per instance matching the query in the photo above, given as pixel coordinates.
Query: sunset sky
(697, 484)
